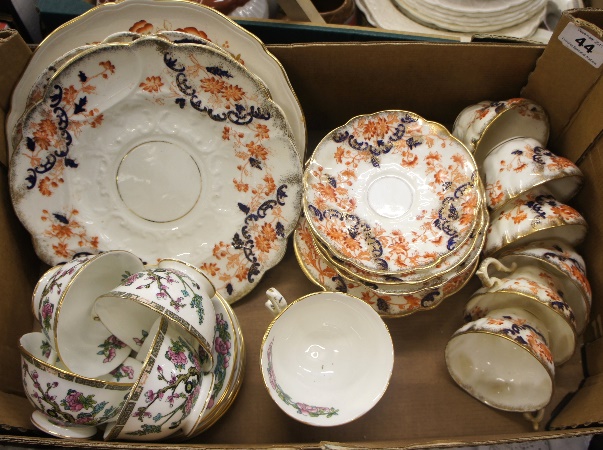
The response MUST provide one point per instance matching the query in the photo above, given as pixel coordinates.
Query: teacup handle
(487, 280)
(276, 302)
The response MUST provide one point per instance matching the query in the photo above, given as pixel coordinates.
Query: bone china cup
(483, 126)
(534, 216)
(326, 358)
(67, 401)
(63, 303)
(168, 389)
(503, 360)
(519, 164)
(174, 289)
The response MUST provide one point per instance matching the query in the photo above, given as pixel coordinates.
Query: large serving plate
(166, 150)
(391, 192)
(152, 16)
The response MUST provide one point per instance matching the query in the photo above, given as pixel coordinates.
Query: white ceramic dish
(183, 157)
(151, 16)
(318, 350)
(391, 192)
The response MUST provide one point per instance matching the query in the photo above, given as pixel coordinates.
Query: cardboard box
(422, 405)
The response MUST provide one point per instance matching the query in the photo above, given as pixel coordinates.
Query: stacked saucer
(161, 128)
(394, 211)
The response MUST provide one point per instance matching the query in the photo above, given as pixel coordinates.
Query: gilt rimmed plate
(323, 274)
(152, 16)
(391, 192)
(168, 150)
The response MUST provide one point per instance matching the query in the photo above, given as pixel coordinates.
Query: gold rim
(471, 391)
(67, 375)
(437, 128)
(196, 269)
(37, 287)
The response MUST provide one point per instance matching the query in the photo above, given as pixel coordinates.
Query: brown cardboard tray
(422, 405)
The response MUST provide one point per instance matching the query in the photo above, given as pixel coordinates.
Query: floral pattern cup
(311, 353)
(175, 290)
(533, 216)
(63, 303)
(64, 398)
(503, 360)
(566, 265)
(168, 389)
(483, 126)
(535, 291)
(519, 164)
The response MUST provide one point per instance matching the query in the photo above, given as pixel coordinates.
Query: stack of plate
(162, 128)
(475, 16)
(394, 212)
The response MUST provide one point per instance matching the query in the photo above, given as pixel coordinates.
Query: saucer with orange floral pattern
(166, 150)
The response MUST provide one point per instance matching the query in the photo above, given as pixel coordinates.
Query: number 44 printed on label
(583, 44)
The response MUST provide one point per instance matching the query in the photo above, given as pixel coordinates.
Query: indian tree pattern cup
(318, 350)
(63, 303)
(175, 290)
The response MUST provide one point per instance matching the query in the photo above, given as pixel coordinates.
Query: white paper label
(583, 44)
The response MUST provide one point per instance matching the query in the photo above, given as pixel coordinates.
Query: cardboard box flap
(584, 408)
(13, 51)
(567, 82)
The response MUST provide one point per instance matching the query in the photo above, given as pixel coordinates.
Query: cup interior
(498, 371)
(321, 348)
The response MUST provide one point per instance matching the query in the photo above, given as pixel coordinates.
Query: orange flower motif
(240, 186)
(60, 249)
(233, 93)
(107, 66)
(212, 85)
(270, 185)
(340, 153)
(44, 188)
(565, 211)
(266, 238)
(151, 84)
(226, 134)
(195, 31)
(211, 268)
(262, 131)
(142, 27)
(69, 95)
(258, 151)
(61, 231)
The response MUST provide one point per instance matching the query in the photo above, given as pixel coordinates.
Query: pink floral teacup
(483, 126)
(67, 401)
(63, 304)
(533, 216)
(168, 389)
(519, 164)
(311, 353)
(175, 290)
(503, 360)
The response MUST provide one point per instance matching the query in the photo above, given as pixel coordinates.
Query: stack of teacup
(142, 351)
(535, 299)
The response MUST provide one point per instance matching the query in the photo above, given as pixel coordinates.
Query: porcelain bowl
(318, 351)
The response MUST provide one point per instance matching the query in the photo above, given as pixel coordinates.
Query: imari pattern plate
(164, 150)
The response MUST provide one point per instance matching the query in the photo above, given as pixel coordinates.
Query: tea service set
(390, 215)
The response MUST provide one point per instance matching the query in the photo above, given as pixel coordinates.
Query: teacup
(542, 301)
(175, 289)
(69, 404)
(562, 261)
(168, 389)
(63, 303)
(321, 348)
(533, 216)
(503, 360)
(519, 164)
(483, 126)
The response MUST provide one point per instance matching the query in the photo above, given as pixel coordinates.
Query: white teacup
(63, 303)
(503, 360)
(483, 126)
(69, 405)
(168, 390)
(320, 349)
(520, 164)
(533, 216)
(174, 289)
